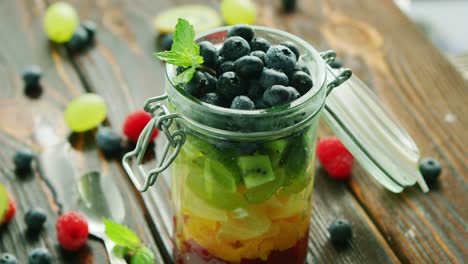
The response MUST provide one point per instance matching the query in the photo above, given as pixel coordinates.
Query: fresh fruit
(108, 140)
(60, 22)
(242, 102)
(72, 230)
(301, 81)
(197, 85)
(241, 30)
(212, 98)
(230, 85)
(335, 158)
(35, 219)
(209, 53)
(256, 170)
(39, 256)
(292, 47)
(260, 44)
(91, 28)
(340, 231)
(430, 169)
(7, 258)
(249, 67)
(227, 66)
(289, 5)
(211, 83)
(85, 112)
(255, 90)
(134, 125)
(166, 42)
(31, 75)
(11, 211)
(278, 95)
(302, 67)
(259, 54)
(260, 104)
(270, 77)
(23, 160)
(201, 17)
(218, 176)
(142, 256)
(238, 12)
(247, 224)
(281, 58)
(265, 191)
(79, 40)
(295, 159)
(195, 206)
(234, 48)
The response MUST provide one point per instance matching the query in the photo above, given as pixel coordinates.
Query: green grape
(238, 12)
(85, 112)
(60, 22)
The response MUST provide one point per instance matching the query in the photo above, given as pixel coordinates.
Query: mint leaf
(121, 235)
(143, 255)
(185, 52)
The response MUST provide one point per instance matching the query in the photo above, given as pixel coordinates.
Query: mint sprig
(184, 52)
(127, 242)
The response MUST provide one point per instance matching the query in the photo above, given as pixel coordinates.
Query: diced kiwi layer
(256, 170)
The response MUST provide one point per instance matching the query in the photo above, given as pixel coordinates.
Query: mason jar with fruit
(240, 114)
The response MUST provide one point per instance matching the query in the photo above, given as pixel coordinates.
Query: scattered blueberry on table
(289, 5)
(35, 219)
(79, 41)
(165, 42)
(91, 28)
(430, 169)
(7, 258)
(340, 231)
(31, 77)
(39, 256)
(109, 141)
(23, 160)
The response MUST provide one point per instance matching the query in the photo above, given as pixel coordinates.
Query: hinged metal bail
(162, 119)
(329, 56)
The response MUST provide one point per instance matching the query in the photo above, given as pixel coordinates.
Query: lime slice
(3, 201)
(201, 17)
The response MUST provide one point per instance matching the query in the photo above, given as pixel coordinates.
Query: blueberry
(220, 60)
(255, 90)
(430, 169)
(166, 42)
(211, 83)
(336, 64)
(212, 98)
(289, 5)
(23, 159)
(31, 75)
(108, 140)
(243, 31)
(79, 40)
(281, 58)
(35, 219)
(197, 84)
(278, 95)
(242, 102)
(270, 77)
(230, 85)
(260, 104)
(292, 47)
(340, 231)
(234, 48)
(248, 67)
(7, 258)
(209, 53)
(260, 54)
(39, 256)
(90, 27)
(226, 67)
(260, 44)
(301, 81)
(302, 67)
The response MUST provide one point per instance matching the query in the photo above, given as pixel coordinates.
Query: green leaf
(143, 255)
(120, 251)
(185, 52)
(185, 76)
(121, 235)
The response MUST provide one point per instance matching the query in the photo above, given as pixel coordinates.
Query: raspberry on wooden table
(135, 123)
(72, 230)
(335, 158)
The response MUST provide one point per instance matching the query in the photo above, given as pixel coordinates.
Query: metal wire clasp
(162, 120)
(329, 56)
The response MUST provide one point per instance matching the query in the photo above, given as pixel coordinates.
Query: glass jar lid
(372, 135)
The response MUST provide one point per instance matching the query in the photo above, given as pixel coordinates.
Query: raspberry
(335, 158)
(134, 124)
(10, 212)
(72, 231)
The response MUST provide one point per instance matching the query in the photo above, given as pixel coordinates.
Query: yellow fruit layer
(282, 234)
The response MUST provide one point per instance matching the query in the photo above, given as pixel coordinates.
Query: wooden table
(372, 37)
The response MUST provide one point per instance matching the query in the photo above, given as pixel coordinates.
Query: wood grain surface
(374, 38)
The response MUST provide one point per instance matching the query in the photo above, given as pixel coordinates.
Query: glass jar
(242, 180)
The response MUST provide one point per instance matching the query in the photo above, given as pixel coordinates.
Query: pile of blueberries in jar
(248, 72)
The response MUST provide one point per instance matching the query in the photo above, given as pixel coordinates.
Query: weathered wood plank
(21, 121)
(121, 67)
